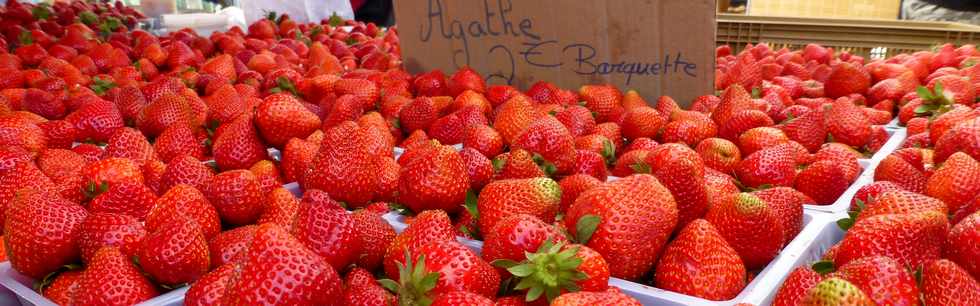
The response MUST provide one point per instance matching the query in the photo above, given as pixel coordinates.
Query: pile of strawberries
(912, 235)
(262, 168)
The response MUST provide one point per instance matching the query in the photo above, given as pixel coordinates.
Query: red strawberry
(326, 228)
(574, 185)
(642, 122)
(466, 79)
(96, 120)
(796, 286)
(636, 208)
(177, 140)
(444, 258)
(591, 163)
(461, 298)
(184, 201)
(836, 291)
(109, 229)
(167, 110)
(42, 232)
(955, 182)
(516, 234)
(743, 121)
(388, 174)
(237, 146)
(297, 156)
(750, 226)
(911, 239)
(538, 197)
(775, 166)
(427, 226)
(281, 116)
(435, 179)
(961, 244)
(210, 289)
(960, 138)
(60, 133)
(276, 259)
(418, 114)
(899, 171)
(280, 208)
(112, 279)
(681, 170)
(733, 100)
(186, 170)
(823, 181)
(577, 119)
(882, 278)
(374, 234)
(131, 144)
(847, 78)
(690, 132)
(847, 124)
(547, 137)
(344, 150)
(611, 296)
(231, 246)
(175, 253)
(513, 116)
(719, 154)
(787, 204)
(61, 290)
(697, 254)
(268, 175)
(945, 283)
(570, 266)
(225, 104)
(746, 71)
(431, 84)
(363, 289)
(478, 167)
(868, 193)
(134, 199)
(236, 195)
(761, 137)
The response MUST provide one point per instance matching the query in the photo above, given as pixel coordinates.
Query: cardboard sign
(658, 47)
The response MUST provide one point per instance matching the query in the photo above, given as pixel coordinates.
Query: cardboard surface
(654, 46)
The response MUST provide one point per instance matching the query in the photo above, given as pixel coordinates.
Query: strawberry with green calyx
(100, 85)
(415, 282)
(555, 269)
(934, 102)
(283, 84)
(335, 20)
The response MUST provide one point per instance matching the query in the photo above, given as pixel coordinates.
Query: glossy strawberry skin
(796, 286)
(236, 195)
(343, 167)
(700, 252)
(112, 279)
(326, 228)
(41, 232)
(176, 253)
(108, 229)
(437, 179)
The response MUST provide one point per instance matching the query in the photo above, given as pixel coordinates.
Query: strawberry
(653, 216)
(42, 232)
(845, 79)
(230, 246)
(427, 226)
(547, 137)
(796, 286)
(268, 175)
(954, 88)
(515, 235)
(750, 226)
(868, 193)
(61, 290)
(461, 298)
(418, 114)
(344, 150)
(478, 167)
(823, 181)
(177, 140)
(847, 124)
(601, 99)
(435, 179)
(959, 139)
(787, 204)
(808, 129)
(466, 79)
(775, 166)
(184, 201)
(733, 100)
(758, 138)
(188, 170)
(945, 283)
(326, 228)
(961, 246)
(274, 258)
(211, 287)
(129, 198)
(719, 154)
(363, 289)
(43, 103)
(225, 104)
(109, 229)
(374, 234)
(949, 120)
(538, 197)
(513, 117)
(222, 65)
(642, 122)
(882, 278)
(699, 252)
(388, 174)
(112, 279)
(836, 291)
(572, 186)
(436, 259)
(167, 110)
(743, 121)
(746, 71)
(705, 104)
(955, 181)
(297, 156)
(899, 171)
(577, 119)
(681, 170)
(591, 163)
(175, 253)
(281, 116)
(17, 132)
(129, 143)
(237, 146)
(570, 266)
(911, 239)
(236, 195)
(431, 84)
(60, 133)
(690, 132)
(611, 296)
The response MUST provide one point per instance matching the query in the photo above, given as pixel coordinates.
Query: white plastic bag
(298, 10)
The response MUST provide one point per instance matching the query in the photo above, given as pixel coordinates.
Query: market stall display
(296, 163)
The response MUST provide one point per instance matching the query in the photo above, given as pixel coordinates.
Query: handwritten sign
(658, 47)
